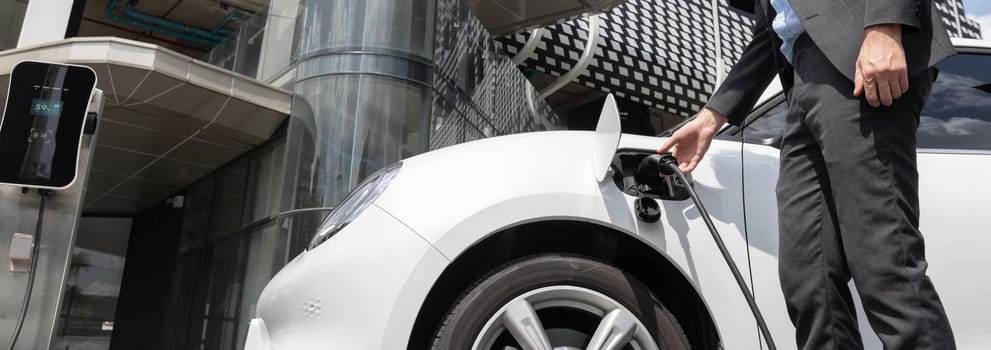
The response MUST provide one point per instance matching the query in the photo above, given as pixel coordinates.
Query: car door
(955, 192)
(954, 160)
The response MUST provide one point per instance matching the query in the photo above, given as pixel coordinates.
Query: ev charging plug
(652, 171)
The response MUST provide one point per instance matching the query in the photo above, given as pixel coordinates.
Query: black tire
(466, 319)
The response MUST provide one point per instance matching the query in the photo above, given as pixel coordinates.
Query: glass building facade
(372, 82)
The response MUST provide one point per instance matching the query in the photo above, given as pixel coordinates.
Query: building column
(45, 21)
(362, 97)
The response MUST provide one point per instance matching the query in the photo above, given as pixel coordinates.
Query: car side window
(768, 127)
(764, 125)
(958, 114)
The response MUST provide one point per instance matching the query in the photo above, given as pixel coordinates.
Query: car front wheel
(559, 302)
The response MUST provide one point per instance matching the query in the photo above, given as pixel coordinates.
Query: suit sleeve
(904, 12)
(747, 80)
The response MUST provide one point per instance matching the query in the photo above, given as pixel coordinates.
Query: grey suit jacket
(837, 28)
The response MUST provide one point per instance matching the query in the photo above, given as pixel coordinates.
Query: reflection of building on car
(511, 243)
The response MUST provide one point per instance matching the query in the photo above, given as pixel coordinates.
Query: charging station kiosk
(43, 121)
(48, 109)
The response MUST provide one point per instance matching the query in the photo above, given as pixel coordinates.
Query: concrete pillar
(45, 21)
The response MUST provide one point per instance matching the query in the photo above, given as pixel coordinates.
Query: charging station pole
(45, 148)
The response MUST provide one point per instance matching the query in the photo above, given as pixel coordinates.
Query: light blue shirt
(788, 27)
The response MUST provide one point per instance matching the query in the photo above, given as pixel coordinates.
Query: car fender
(458, 196)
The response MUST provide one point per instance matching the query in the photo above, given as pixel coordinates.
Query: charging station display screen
(42, 123)
(46, 108)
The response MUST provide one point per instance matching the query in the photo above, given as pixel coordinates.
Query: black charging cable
(34, 267)
(669, 166)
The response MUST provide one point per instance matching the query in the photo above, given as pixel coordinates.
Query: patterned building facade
(666, 55)
(956, 21)
(477, 91)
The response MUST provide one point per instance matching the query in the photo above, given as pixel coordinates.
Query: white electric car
(533, 241)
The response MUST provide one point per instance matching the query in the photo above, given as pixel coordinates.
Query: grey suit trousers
(849, 208)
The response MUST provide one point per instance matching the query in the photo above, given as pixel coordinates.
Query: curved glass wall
(398, 26)
(362, 95)
(360, 123)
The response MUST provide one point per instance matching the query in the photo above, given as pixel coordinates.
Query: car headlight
(355, 203)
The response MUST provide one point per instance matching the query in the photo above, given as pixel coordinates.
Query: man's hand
(882, 73)
(691, 142)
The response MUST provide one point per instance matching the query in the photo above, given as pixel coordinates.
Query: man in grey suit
(856, 74)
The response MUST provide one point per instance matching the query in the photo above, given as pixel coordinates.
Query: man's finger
(688, 167)
(870, 91)
(903, 81)
(896, 90)
(884, 93)
(670, 143)
(858, 82)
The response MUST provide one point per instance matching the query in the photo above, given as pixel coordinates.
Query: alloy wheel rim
(574, 318)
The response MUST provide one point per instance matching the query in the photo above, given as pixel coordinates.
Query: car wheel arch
(586, 239)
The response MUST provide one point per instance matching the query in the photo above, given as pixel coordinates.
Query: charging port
(661, 187)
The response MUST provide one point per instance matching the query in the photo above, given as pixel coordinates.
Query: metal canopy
(503, 17)
(168, 119)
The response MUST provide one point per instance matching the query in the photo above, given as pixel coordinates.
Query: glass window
(224, 284)
(767, 129)
(182, 325)
(250, 38)
(265, 181)
(223, 290)
(280, 38)
(764, 125)
(93, 283)
(90, 301)
(262, 45)
(958, 114)
(197, 202)
(228, 198)
(266, 254)
(218, 333)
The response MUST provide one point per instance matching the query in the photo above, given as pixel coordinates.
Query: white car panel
(683, 237)
(952, 221)
(608, 132)
(955, 203)
(477, 196)
(362, 289)
(454, 195)
(760, 173)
